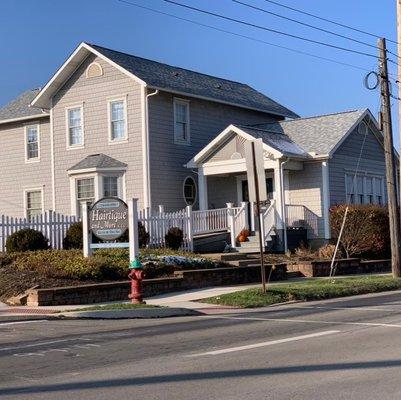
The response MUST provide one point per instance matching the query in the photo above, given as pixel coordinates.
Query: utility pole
(391, 176)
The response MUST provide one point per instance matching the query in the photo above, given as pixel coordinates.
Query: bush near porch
(366, 232)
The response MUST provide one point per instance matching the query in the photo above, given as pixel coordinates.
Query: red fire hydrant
(136, 276)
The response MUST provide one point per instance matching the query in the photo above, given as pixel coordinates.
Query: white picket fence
(53, 226)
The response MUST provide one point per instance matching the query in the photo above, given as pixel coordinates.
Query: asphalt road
(348, 349)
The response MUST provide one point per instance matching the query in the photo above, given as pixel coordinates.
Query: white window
(189, 190)
(110, 186)
(33, 203)
(364, 189)
(181, 122)
(85, 192)
(117, 118)
(32, 151)
(75, 127)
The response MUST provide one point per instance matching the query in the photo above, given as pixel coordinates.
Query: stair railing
(269, 221)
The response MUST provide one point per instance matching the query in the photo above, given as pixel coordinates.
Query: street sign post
(257, 190)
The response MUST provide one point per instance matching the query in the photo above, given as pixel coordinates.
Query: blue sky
(38, 35)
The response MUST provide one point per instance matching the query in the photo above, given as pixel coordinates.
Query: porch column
(326, 199)
(279, 203)
(202, 188)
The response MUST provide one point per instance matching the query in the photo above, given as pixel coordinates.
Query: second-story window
(75, 127)
(32, 142)
(117, 120)
(181, 122)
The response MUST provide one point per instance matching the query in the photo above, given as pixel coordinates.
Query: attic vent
(94, 70)
(218, 86)
(363, 128)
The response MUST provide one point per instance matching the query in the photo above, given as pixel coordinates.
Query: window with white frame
(117, 120)
(85, 191)
(32, 142)
(364, 189)
(110, 186)
(189, 191)
(181, 122)
(75, 127)
(33, 203)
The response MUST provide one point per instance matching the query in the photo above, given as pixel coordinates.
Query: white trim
(178, 101)
(183, 190)
(74, 190)
(199, 157)
(96, 170)
(36, 116)
(202, 190)
(87, 69)
(25, 200)
(26, 127)
(326, 198)
(68, 69)
(214, 100)
(124, 139)
(67, 126)
(52, 157)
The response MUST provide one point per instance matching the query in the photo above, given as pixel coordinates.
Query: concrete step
(233, 257)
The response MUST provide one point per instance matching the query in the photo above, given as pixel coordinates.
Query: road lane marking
(355, 308)
(41, 344)
(308, 321)
(264, 344)
(22, 322)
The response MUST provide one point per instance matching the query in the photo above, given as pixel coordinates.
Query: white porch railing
(53, 226)
(269, 221)
(299, 216)
(210, 221)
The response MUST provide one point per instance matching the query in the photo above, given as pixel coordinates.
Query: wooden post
(85, 230)
(133, 229)
(394, 215)
(244, 205)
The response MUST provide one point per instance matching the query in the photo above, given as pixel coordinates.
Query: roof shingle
(98, 161)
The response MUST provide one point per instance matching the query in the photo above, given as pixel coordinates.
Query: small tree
(73, 238)
(366, 230)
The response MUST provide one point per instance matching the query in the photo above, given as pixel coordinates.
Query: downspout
(283, 213)
(146, 151)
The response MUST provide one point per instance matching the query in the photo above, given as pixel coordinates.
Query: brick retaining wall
(182, 280)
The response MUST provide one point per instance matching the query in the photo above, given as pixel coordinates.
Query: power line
(304, 23)
(268, 29)
(328, 20)
(244, 36)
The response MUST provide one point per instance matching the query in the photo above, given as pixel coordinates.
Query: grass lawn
(112, 307)
(307, 291)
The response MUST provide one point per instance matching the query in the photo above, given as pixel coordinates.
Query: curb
(145, 313)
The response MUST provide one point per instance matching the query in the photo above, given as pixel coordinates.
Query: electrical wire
(328, 20)
(303, 23)
(238, 21)
(245, 36)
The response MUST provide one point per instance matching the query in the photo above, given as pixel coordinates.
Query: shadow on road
(196, 376)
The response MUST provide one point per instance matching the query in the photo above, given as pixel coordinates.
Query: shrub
(326, 252)
(142, 235)
(74, 237)
(26, 240)
(174, 238)
(366, 231)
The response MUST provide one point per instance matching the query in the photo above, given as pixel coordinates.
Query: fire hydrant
(136, 276)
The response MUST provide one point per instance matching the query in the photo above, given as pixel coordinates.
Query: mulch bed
(14, 282)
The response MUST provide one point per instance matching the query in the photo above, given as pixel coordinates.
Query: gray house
(113, 124)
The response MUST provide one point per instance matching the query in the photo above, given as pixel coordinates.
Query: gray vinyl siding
(207, 120)
(94, 94)
(345, 159)
(16, 174)
(224, 152)
(305, 188)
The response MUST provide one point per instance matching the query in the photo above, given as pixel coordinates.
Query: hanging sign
(255, 170)
(108, 218)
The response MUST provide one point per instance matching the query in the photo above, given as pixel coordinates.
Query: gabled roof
(321, 134)
(98, 161)
(18, 109)
(168, 78)
(278, 141)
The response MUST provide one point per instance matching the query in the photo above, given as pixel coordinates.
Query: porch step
(233, 257)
